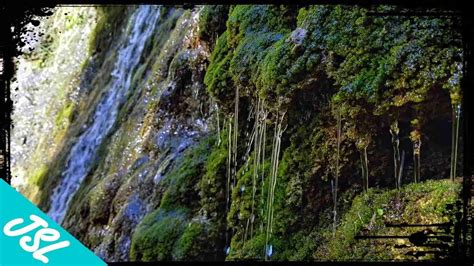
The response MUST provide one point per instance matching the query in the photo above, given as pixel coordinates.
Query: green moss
(212, 20)
(65, 115)
(213, 182)
(187, 247)
(109, 22)
(39, 175)
(249, 53)
(218, 79)
(155, 236)
(236, 58)
(421, 203)
(252, 249)
(182, 181)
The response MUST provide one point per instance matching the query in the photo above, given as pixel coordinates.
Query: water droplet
(227, 251)
(270, 251)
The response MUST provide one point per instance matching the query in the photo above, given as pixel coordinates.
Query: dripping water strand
(236, 134)
(458, 116)
(255, 142)
(218, 124)
(272, 182)
(229, 163)
(251, 143)
(258, 160)
(262, 175)
(455, 139)
(229, 175)
(232, 156)
(336, 178)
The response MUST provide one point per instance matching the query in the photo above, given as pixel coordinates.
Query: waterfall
(84, 151)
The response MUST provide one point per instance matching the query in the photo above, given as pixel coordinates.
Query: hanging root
(415, 137)
(399, 177)
(364, 167)
(416, 158)
(394, 131)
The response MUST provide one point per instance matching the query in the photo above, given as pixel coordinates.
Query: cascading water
(84, 151)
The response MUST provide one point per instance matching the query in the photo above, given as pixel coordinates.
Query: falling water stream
(272, 183)
(84, 151)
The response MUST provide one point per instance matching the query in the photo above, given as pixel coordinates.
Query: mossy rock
(429, 202)
(156, 235)
(212, 22)
(182, 181)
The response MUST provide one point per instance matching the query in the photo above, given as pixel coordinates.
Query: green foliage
(420, 203)
(156, 235)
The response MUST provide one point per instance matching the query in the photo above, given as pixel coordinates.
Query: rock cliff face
(242, 132)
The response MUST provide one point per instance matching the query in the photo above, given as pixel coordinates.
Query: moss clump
(213, 182)
(165, 233)
(251, 249)
(65, 115)
(251, 31)
(39, 175)
(212, 22)
(155, 236)
(108, 25)
(218, 80)
(429, 202)
(187, 246)
(183, 180)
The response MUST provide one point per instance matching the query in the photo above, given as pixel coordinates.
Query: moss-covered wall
(227, 146)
